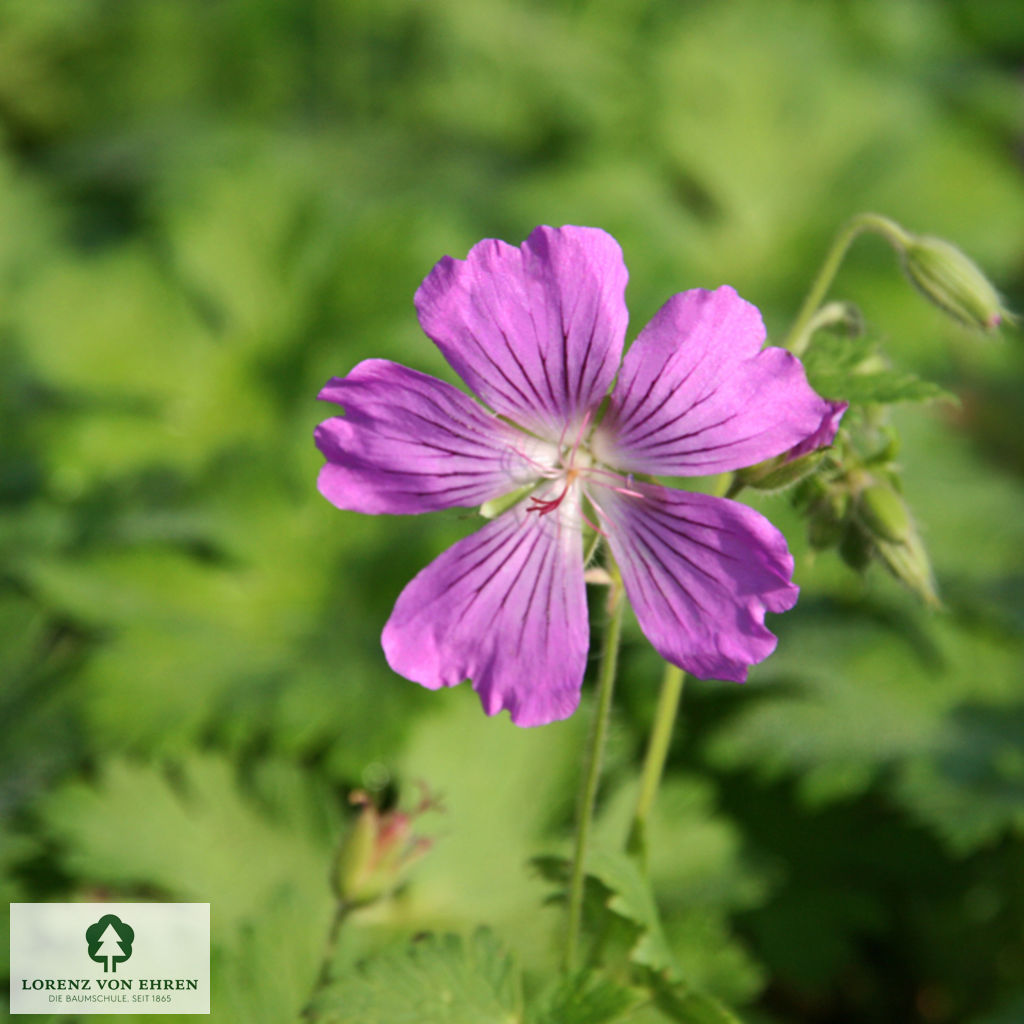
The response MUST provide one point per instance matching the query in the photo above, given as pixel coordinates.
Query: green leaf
(631, 898)
(685, 1005)
(192, 831)
(841, 368)
(972, 792)
(434, 980)
(586, 999)
(882, 387)
(515, 780)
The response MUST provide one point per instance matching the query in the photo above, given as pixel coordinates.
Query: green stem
(657, 753)
(799, 335)
(592, 768)
(341, 910)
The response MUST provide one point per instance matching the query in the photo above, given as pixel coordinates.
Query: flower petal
(700, 572)
(824, 435)
(411, 443)
(537, 331)
(506, 608)
(697, 394)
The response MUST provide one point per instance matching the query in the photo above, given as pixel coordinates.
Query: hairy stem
(592, 768)
(657, 753)
(341, 910)
(799, 334)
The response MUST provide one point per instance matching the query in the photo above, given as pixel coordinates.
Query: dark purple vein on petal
(543, 571)
(675, 438)
(672, 576)
(655, 535)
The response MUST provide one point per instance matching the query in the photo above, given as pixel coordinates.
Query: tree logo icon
(110, 941)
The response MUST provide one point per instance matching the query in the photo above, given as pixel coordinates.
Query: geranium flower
(537, 334)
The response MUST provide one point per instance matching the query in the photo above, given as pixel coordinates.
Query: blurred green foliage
(209, 207)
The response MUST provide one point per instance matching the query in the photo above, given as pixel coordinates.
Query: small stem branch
(799, 335)
(592, 768)
(657, 753)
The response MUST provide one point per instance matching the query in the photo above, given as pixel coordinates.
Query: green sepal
(779, 473)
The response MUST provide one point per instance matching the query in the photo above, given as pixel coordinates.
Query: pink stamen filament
(547, 472)
(617, 482)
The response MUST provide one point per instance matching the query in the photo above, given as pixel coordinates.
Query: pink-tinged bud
(952, 281)
(377, 852)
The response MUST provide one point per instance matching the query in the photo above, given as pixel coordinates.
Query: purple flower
(825, 433)
(537, 334)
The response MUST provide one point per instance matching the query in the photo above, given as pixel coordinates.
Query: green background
(208, 207)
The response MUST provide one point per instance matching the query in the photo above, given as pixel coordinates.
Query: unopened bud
(883, 512)
(884, 523)
(952, 281)
(357, 853)
(909, 563)
(377, 852)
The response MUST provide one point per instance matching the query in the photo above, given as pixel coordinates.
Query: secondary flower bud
(377, 852)
(909, 563)
(884, 513)
(952, 281)
(882, 527)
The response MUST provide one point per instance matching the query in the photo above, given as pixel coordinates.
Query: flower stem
(341, 911)
(654, 762)
(799, 335)
(592, 767)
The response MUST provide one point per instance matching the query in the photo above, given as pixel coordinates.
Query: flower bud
(882, 511)
(909, 563)
(377, 851)
(884, 522)
(952, 281)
